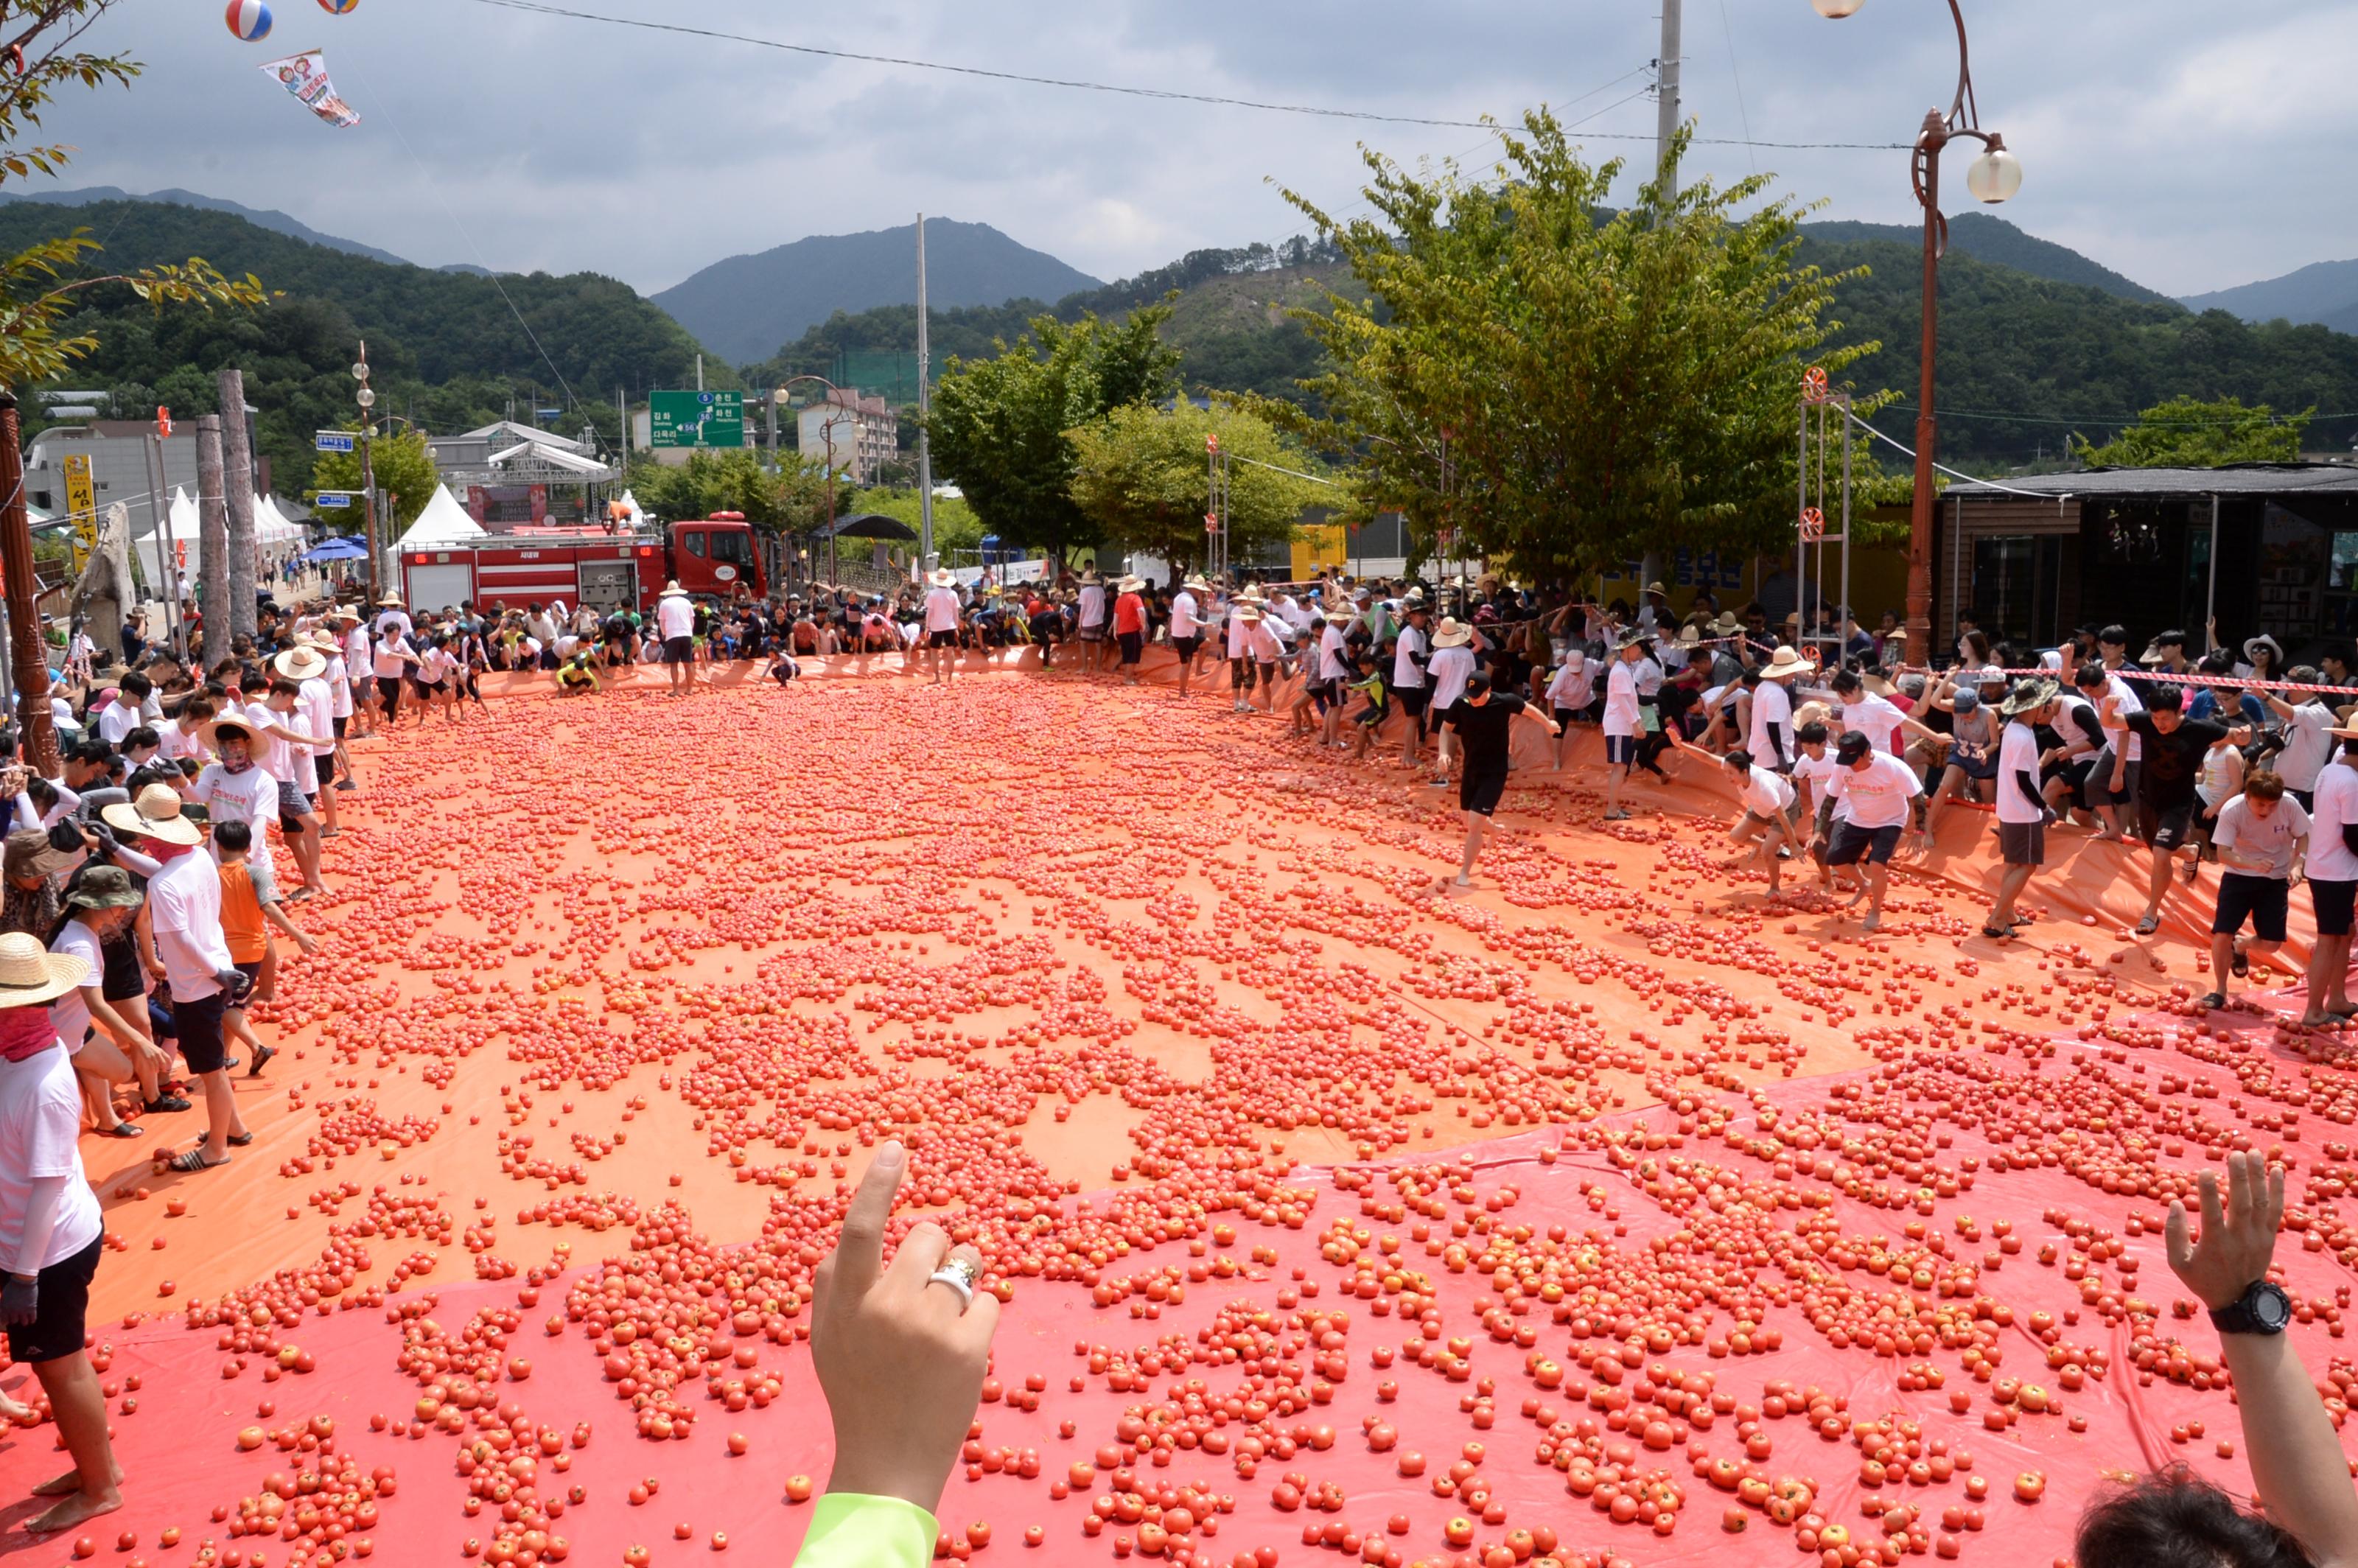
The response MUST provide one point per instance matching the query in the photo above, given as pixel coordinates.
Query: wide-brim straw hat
(31, 854)
(1727, 625)
(1451, 633)
(155, 813)
(1130, 584)
(1196, 585)
(1091, 579)
(1248, 615)
(209, 735)
(31, 975)
(2029, 695)
(1784, 665)
(942, 577)
(301, 663)
(1656, 590)
(1630, 640)
(390, 601)
(672, 591)
(1810, 713)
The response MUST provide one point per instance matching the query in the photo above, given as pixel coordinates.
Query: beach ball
(249, 19)
(338, 7)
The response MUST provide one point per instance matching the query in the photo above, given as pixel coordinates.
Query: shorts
(253, 972)
(1412, 700)
(1134, 645)
(678, 650)
(324, 768)
(2264, 900)
(1752, 819)
(2099, 790)
(941, 639)
(199, 1026)
(2336, 903)
(293, 805)
(59, 1326)
(1093, 634)
(1853, 844)
(1321, 692)
(2164, 827)
(1620, 750)
(1185, 648)
(341, 720)
(2022, 843)
(2308, 798)
(1480, 791)
(1241, 674)
(1983, 767)
(1566, 716)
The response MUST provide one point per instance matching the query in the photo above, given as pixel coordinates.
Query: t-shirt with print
(2241, 828)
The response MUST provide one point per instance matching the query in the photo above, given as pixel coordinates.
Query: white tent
(273, 530)
(444, 522)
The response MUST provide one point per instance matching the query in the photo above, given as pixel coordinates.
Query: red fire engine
(710, 557)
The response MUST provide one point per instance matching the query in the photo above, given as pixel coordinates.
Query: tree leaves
(2186, 432)
(1142, 477)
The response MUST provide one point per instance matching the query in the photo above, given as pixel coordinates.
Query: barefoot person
(50, 1228)
(942, 616)
(2022, 812)
(1767, 824)
(676, 622)
(1623, 717)
(1483, 720)
(2333, 883)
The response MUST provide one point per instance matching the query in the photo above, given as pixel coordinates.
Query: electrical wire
(1743, 114)
(1952, 473)
(540, 8)
(2275, 421)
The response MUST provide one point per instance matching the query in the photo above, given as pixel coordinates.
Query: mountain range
(2325, 293)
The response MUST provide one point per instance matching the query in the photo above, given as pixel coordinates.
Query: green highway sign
(696, 418)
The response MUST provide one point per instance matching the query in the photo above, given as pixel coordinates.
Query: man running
(2173, 748)
(1484, 719)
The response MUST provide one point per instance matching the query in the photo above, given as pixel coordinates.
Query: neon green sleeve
(852, 1530)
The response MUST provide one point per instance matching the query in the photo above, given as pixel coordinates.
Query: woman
(106, 1047)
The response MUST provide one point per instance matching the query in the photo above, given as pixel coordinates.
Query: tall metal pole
(925, 408)
(368, 513)
(2210, 596)
(1919, 521)
(1666, 99)
(212, 541)
(31, 665)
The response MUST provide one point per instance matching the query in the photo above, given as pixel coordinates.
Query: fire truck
(710, 557)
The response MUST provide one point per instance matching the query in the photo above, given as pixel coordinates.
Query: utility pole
(237, 469)
(31, 664)
(1666, 99)
(925, 408)
(212, 540)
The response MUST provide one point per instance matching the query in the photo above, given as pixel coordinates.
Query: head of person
(2218, 662)
(1854, 751)
(2337, 664)
(1477, 689)
(134, 689)
(2174, 1519)
(2113, 643)
(2090, 679)
(1811, 737)
(1848, 685)
(235, 840)
(2167, 704)
(32, 858)
(103, 898)
(2263, 792)
(2171, 646)
(234, 741)
(1739, 762)
(284, 695)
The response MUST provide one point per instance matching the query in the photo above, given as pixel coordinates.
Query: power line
(536, 7)
(2274, 420)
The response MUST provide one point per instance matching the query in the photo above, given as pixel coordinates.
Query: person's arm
(273, 913)
(143, 941)
(185, 944)
(2298, 1468)
(47, 1196)
(101, 1012)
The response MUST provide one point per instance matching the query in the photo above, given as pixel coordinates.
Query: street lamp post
(367, 398)
(1994, 177)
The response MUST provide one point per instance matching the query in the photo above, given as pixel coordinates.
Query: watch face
(2270, 1307)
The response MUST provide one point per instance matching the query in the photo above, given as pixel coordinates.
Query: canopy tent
(866, 525)
(444, 522)
(273, 528)
(343, 547)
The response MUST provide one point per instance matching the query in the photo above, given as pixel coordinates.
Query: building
(119, 470)
(2267, 547)
(850, 433)
(507, 473)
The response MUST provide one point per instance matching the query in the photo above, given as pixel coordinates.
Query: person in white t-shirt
(2333, 883)
(2022, 809)
(1187, 627)
(1410, 685)
(943, 615)
(121, 716)
(1271, 646)
(1766, 824)
(1334, 672)
(676, 623)
(1571, 691)
(1451, 666)
(1623, 718)
(1881, 793)
(51, 1231)
(2262, 839)
(1092, 622)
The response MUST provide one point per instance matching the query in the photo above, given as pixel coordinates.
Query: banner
(82, 509)
(305, 76)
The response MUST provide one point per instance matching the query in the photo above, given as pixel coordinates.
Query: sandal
(163, 1103)
(2149, 926)
(2213, 1001)
(260, 1060)
(1998, 933)
(194, 1160)
(238, 1140)
(119, 1129)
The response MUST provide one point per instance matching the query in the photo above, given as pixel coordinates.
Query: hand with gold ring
(902, 1361)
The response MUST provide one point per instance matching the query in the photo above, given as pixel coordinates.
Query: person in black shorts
(2174, 746)
(1483, 719)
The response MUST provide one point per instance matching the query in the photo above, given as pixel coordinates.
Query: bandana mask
(25, 1033)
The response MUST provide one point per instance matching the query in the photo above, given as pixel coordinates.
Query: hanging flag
(305, 76)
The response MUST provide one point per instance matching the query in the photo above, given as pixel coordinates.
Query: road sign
(332, 498)
(333, 441)
(705, 419)
(82, 508)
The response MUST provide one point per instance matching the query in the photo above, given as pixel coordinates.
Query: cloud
(2179, 141)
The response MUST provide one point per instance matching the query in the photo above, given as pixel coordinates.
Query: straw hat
(155, 813)
(30, 974)
(1089, 579)
(232, 723)
(301, 663)
(390, 601)
(1657, 591)
(942, 577)
(672, 591)
(1130, 584)
(1451, 633)
(1727, 625)
(1810, 713)
(1248, 615)
(1196, 585)
(103, 887)
(1784, 664)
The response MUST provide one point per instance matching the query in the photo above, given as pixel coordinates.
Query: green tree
(405, 470)
(1566, 386)
(956, 527)
(1001, 428)
(1142, 479)
(36, 294)
(2188, 433)
(793, 501)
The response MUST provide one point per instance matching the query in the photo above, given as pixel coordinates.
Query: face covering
(25, 1033)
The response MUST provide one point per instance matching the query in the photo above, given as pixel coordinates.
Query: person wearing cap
(184, 916)
(1237, 642)
(1878, 795)
(392, 618)
(2262, 840)
(1187, 627)
(51, 1231)
(1970, 757)
(1766, 824)
(1623, 719)
(2332, 866)
(1484, 721)
(2173, 749)
(107, 1048)
(2308, 733)
(235, 786)
(2022, 810)
(676, 625)
(1411, 650)
(1570, 693)
(943, 613)
(1129, 626)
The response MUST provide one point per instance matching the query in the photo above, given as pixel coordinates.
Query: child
(578, 675)
(2221, 781)
(1370, 685)
(782, 667)
(80, 653)
(249, 908)
(1812, 800)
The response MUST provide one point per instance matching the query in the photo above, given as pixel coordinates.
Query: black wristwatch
(2263, 1308)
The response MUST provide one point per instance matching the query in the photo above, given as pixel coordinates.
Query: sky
(2189, 144)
